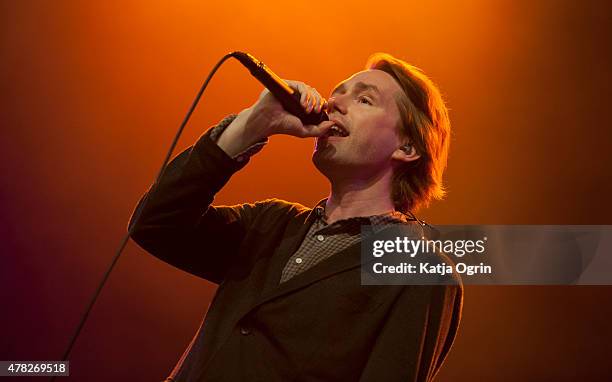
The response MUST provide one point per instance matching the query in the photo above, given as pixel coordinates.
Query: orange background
(92, 93)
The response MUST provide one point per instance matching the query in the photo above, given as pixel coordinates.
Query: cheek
(373, 148)
(380, 137)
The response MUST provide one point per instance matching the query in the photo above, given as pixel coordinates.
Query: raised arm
(177, 222)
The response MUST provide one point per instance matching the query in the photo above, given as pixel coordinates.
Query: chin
(324, 161)
(321, 160)
(330, 165)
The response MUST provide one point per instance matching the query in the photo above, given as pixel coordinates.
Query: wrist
(240, 134)
(249, 126)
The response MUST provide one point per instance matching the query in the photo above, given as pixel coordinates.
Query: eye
(364, 100)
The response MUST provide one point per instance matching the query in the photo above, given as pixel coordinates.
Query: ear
(406, 153)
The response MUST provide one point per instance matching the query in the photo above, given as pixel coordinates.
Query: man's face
(365, 106)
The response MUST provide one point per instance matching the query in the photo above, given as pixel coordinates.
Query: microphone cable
(126, 238)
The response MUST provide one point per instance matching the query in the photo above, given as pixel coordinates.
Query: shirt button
(298, 260)
(320, 237)
(244, 331)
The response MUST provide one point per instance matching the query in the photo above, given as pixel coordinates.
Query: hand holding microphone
(285, 107)
(270, 116)
(285, 94)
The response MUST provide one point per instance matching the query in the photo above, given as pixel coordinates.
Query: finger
(311, 101)
(320, 104)
(307, 100)
(320, 101)
(303, 95)
(297, 85)
(300, 87)
(324, 105)
(315, 100)
(317, 130)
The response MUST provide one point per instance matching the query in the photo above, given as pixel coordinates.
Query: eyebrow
(359, 86)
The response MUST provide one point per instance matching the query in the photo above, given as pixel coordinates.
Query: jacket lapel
(296, 231)
(339, 262)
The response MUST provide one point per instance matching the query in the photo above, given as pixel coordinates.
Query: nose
(336, 103)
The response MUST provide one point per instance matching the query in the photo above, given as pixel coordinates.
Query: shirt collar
(392, 217)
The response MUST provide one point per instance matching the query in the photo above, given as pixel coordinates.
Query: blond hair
(425, 125)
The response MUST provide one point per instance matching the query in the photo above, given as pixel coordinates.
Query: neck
(359, 197)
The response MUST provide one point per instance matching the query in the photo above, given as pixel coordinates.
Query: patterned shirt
(324, 240)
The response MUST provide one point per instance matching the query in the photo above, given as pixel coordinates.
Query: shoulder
(280, 207)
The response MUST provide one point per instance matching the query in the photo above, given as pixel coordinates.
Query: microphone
(288, 97)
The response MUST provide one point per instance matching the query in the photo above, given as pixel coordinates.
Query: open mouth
(336, 131)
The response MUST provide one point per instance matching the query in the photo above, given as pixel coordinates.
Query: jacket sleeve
(179, 225)
(416, 336)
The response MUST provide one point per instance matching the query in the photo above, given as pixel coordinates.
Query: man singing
(290, 305)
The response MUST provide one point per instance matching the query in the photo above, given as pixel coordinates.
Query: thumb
(317, 130)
